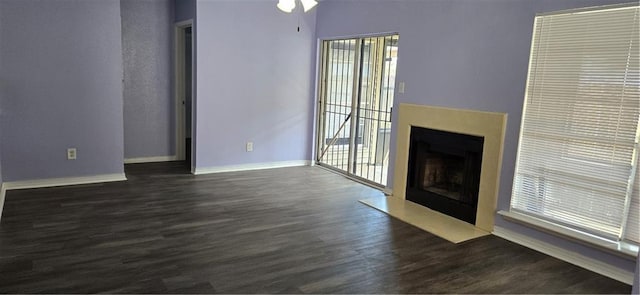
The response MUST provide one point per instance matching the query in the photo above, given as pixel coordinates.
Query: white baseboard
(575, 258)
(51, 182)
(3, 191)
(387, 191)
(254, 166)
(151, 159)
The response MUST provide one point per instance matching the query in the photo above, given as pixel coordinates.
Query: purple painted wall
(0, 163)
(185, 10)
(255, 83)
(147, 43)
(1, 110)
(61, 80)
(0, 136)
(461, 54)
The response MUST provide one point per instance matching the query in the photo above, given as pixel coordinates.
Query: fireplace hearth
(444, 171)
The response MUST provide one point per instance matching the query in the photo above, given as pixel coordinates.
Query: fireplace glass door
(444, 171)
(356, 99)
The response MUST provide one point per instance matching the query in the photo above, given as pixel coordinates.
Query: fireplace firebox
(444, 172)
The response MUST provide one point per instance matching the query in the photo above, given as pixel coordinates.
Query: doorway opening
(184, 43)
(356, 103)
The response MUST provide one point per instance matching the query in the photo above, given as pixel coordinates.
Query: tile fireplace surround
(491, 126)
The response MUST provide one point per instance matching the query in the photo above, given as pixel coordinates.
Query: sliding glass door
(356, 99)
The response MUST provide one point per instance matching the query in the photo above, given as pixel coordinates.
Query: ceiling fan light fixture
(308, 4)
(286, 5)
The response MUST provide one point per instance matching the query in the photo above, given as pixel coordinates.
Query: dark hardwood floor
(290, 230)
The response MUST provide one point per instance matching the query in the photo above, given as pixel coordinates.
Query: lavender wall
(255, 83)
(462, 54)
(61, 80)
(147, 42)
(0, 137)
(185, 10)
(0, 163)
(1, 110)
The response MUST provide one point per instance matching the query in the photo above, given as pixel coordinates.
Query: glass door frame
(355, 101)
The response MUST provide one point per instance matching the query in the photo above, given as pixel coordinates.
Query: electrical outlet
(401, 87)
(71, 154)
(249, 146)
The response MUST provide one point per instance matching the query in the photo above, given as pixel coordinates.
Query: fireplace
(444, 171)
(489, 126)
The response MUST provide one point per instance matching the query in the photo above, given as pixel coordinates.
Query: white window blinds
(632, 230)
(578, 149)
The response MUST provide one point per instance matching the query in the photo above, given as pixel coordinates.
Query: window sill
(623, 249)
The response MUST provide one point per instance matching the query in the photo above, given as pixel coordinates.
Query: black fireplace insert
(444, 172)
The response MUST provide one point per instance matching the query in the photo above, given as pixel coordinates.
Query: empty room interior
(330, 146)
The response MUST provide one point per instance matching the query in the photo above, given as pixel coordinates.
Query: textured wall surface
(479, 63)
(255, 83)
(149, 116)
(185, 10)
(61, 86)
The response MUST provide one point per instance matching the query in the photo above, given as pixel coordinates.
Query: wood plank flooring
(290, 230)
